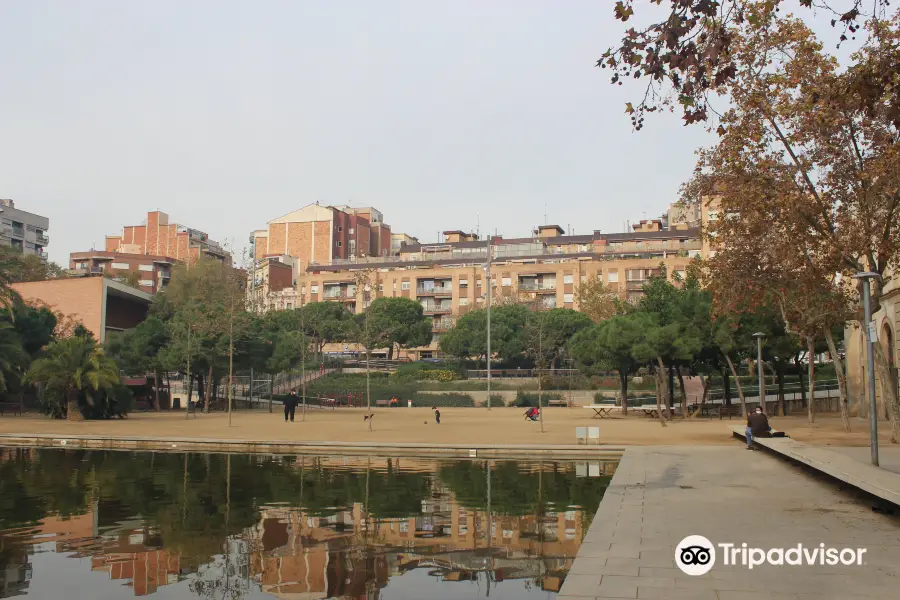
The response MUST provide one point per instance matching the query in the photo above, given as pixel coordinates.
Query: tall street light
(869, 329)
(759, 369)
(487, 268)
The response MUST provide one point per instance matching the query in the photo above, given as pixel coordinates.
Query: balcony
(17, 231)
(41, 239)
(442, 324)
(443, 290)
(636, 285)
(437, 309)
(530, 285)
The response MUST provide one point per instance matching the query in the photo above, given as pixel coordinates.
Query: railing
(519, 373)
(442, 324)
(433, 291)
(537, 287)
(437, 308)
(42, 239)
(480, 254)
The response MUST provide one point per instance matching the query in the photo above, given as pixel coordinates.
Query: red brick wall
(280, 276)
(113, 242)
(80, 298)
(153, 233)
(385, 241)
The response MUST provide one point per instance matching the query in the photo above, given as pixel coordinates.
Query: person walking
(437, 416)
(290, 405)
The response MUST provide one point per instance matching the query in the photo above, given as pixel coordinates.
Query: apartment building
(158, 237)
(271, 284)
(320, 234)
(448, 278)
(152, 273)
(24, 231)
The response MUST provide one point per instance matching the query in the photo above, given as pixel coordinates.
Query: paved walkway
(662, 494)
(888, 456)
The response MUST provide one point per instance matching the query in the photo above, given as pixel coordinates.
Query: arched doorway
(887, 344)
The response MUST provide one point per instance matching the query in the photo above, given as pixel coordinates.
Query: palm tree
(12, 356)
(73, 367)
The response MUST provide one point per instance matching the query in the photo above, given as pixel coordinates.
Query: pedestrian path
(882, 483)
(660, 495)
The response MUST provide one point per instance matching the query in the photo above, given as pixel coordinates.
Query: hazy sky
(227, 114)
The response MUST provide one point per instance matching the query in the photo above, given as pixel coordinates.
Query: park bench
(12, 407)
(382, 403)
(601, 411)
(556, 402)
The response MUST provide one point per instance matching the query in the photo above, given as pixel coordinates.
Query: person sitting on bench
(757, 425)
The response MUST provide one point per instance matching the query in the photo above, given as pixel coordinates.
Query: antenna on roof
(478, 225)
(545, 213)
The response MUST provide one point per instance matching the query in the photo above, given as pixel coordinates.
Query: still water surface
(101, 525)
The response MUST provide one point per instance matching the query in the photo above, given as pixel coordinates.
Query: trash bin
(409, 403)
(176, 403)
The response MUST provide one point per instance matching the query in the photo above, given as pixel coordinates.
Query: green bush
(497, 400)
(429, 371)
(528, 399)
(443, 400)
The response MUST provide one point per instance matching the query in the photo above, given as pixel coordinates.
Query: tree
(468, 337)
(597, 301)
(131, 278)
(398, 321)
(200, 299)
(32, 329)
(326, 322)
(689, 55)
(805, 174)
(141, 350)
(72, 370)
(12, 355)
(609, 346)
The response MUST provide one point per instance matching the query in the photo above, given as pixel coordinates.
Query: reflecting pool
(92, 524)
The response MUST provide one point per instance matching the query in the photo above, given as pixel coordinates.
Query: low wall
(579, 397)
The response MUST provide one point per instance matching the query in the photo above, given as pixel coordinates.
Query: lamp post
(759, 369)
(868, 328)
(487, 269)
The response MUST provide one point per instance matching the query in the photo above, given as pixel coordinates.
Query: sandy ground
(458, 425)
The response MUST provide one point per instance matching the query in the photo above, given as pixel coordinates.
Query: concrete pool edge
(181, 444)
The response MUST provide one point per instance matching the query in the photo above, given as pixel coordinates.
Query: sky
(227, 114)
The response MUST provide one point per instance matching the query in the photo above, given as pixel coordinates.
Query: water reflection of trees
(202, 506)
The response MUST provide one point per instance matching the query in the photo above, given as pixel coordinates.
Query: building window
(404, 285)
(463, 301)
(612, 277)
(148, 268)
(568, 298)
(568, 279)
(340, 229)
(313, 289)
(477, 283)
(506, 281)
(380, 288)
(146, 282)
(339, 244)
(352, 231)
(122, 266)
(463, 283)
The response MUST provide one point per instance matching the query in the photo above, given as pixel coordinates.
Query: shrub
(429, 371)
(449, 400)
(497, 400)
(528, 399)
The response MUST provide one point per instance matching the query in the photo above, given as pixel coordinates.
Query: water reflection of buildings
(351, 554)
(344, 552)
(126, 552)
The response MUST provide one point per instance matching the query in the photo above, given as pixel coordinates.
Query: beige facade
(449, 278)
(886, 320)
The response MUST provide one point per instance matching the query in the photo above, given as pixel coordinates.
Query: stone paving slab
(659, 495)
(879, 482)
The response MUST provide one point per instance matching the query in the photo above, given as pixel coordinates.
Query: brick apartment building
(448, 277)
(149, 250)
(317, 233)
(158, 237)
